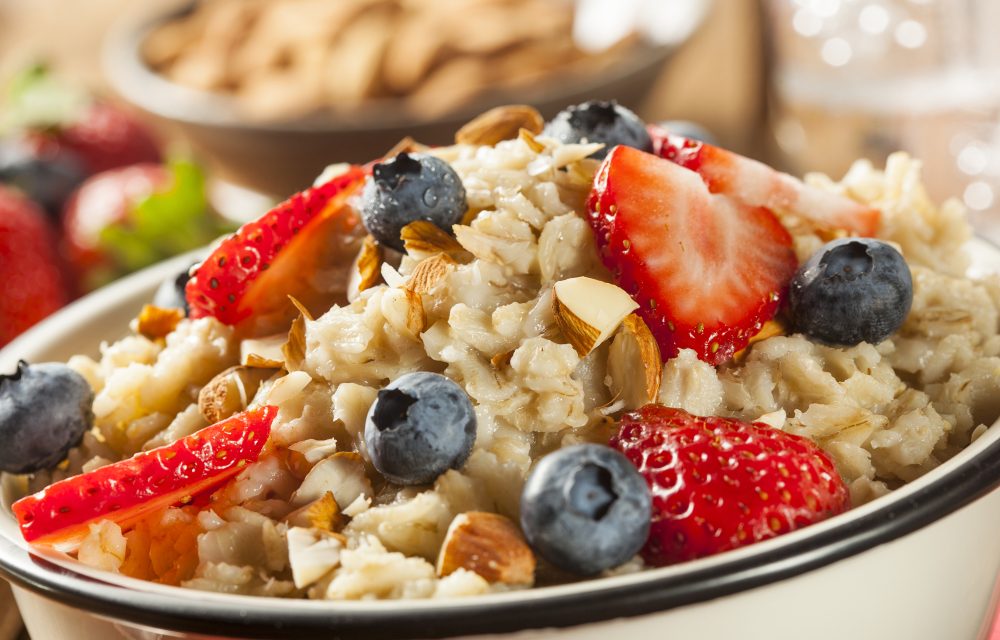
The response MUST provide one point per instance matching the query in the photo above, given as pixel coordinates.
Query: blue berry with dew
(586, 509)
(852, 290)
(170, 294)
(421, 425)
(407, 188)
(44, 411)
(600, 121)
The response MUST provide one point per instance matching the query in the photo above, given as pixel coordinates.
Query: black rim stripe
(973, 479)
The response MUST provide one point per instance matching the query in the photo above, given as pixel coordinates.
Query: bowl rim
(971, 474)
(131, 78)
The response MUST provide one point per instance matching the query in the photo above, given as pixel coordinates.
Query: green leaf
(37, 100)
(173, 220)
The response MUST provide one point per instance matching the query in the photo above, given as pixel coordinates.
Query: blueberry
(688, 129)
(420, 426)
(170, 294)
(852, 290)
(585, 509)
(44, 411)
(599, 121)
(48, 179)
(409, 187)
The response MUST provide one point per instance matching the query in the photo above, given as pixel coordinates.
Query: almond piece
(156, 322)
(634, 364)
(366, 270)
(488, 544)
(500, 123)
(588, 311)
(427, 238)
(342, 474)
(263, 352)
(429, 272)
(229, 392)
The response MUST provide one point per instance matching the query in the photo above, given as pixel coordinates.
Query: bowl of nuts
(265, 90)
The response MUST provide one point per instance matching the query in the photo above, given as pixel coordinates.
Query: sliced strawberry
(706, 270)
(127, 491)
(301, 248)
(758, 185)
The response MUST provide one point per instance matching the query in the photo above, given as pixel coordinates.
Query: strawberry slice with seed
(300, 248)
(755, 184)
(707, 270)
(127, 491)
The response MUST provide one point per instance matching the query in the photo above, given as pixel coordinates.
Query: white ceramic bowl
(921, 563)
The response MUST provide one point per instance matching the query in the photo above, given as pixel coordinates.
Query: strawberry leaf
(37, 100)
(173, 220)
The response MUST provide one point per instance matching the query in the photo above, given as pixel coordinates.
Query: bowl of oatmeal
(560, 380)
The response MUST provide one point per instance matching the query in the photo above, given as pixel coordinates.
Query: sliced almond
(366, 270)
(323, 513)
(426, 237)
(156, 322)
(293, 352)
(430, 272)
(263, 352)
(490, 545)
(588, 311)
(529, 139)
(342, 474)
(416, 319)
(501, 360)
(634, 364)
(312, 554)
(229, 392)
(770, 329)
(500, 123)
(406, 145)
(287, 387)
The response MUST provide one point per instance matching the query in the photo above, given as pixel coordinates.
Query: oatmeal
(504, 318)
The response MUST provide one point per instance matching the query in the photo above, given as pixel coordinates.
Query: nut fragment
(487, 544)
(634, 364)
(323, 513)
(156, 322)
(500, 123)
(312, 553)
(229, 392)
(293, 352)
(366, 270)
(421, 236)
(343, 474)
(429, 272)
(263, 352)
(416, 318)
(588, 311)
(529, 139)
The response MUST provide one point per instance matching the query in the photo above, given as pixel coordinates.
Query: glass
(862, 78)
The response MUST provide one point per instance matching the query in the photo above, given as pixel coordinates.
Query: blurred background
(133, 131)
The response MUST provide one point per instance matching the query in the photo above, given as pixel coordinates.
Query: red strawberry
(719, 484)
(101, 201)
(706, 270)
(127, 491)
(758, 185)
(33, 285)
(103, 136)
(248, 279)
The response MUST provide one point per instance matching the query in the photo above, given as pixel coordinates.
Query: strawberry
(719, 484)
(248, 279)
(101, 201)
(758, 185)
(128, 218)
(129, 490)
(33, 284)
(102, 136)
(706, 270)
